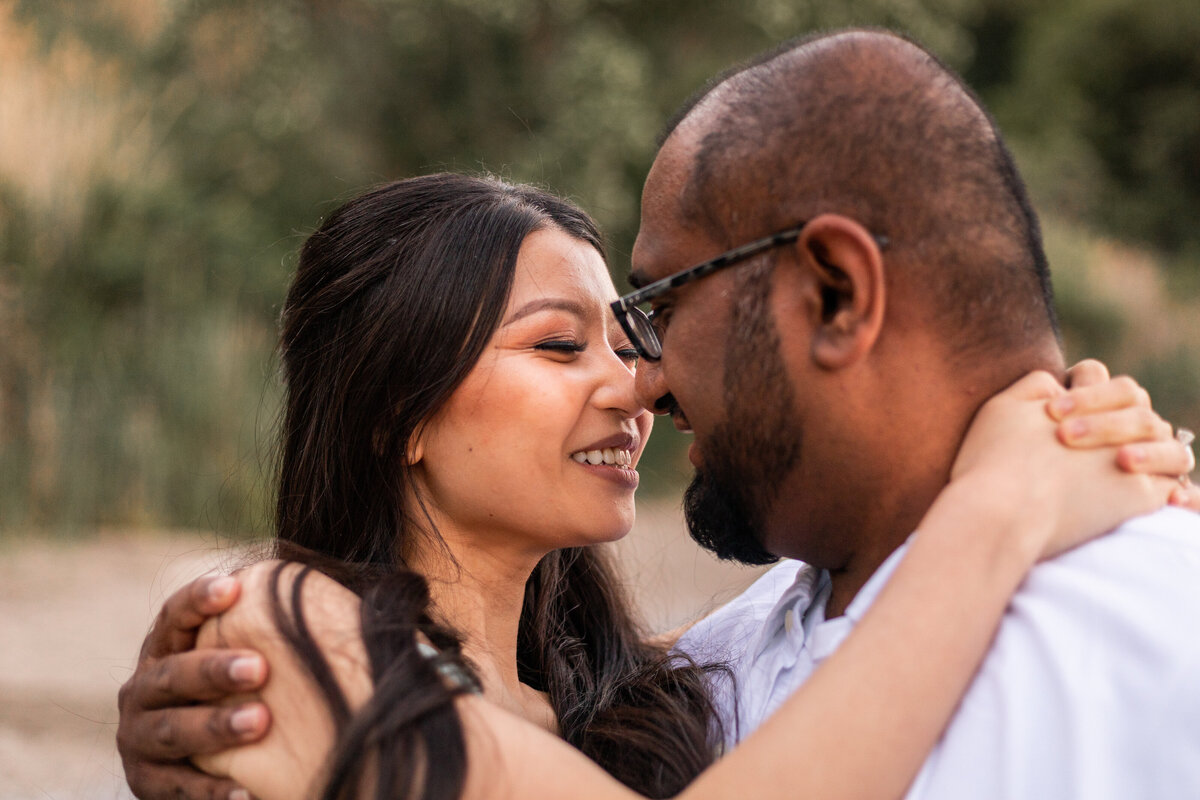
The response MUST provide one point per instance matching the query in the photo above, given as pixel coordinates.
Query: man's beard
(719, 519)
(753, 449)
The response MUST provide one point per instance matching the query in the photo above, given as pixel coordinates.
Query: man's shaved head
(869, 125)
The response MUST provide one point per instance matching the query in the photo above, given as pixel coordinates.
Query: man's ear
(846, 266)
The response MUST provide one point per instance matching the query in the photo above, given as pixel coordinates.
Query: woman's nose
(616, 389)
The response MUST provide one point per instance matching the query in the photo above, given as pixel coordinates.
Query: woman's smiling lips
(611, 458)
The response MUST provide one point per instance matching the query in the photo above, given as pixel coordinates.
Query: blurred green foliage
(163, 159)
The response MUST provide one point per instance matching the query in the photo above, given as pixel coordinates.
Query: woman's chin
(619, 529)
(594, 534)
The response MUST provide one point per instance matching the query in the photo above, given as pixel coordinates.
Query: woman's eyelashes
(571, 347)
(564, 346)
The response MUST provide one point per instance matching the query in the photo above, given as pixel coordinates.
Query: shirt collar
(795, 600)
(810, 584)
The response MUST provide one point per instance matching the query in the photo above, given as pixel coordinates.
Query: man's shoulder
(1089, 688)
(1173, 527)
(1152, 558)
(1132, 594)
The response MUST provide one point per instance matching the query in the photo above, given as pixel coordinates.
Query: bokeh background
(162, 160)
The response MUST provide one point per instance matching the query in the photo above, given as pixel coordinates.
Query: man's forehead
(666, 236)
(664, 244)
(668, 176)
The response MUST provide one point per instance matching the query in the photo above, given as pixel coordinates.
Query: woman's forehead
(552, 263)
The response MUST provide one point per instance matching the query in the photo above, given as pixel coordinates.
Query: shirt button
(789, 620)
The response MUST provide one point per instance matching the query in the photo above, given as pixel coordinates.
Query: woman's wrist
(984, 527)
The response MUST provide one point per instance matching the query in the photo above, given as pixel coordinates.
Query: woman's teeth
(614, 458)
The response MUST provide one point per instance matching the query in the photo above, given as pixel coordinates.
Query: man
(829, 382)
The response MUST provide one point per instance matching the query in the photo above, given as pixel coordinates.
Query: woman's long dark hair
(395, 297)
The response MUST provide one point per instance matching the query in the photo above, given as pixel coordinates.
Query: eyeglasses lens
(647, 336)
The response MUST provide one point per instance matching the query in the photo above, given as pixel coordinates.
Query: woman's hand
(1186, 495)
(1121, 461)
(1099, 410)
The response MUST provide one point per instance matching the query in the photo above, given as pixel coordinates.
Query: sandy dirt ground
(73, 614)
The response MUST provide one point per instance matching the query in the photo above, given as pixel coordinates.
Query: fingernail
(239, 794)
(246, 670)
(245, 720)
(1061, 406)
(220, 588)
(1135, 454)
(1077, 428)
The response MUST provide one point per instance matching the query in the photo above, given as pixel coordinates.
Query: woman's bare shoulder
(289, 761)
(268, 593)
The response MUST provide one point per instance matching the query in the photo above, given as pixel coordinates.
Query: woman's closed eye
(561, 346)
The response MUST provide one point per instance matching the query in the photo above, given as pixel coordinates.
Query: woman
(460, 428)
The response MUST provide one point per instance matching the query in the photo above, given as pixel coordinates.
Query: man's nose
(651, 387)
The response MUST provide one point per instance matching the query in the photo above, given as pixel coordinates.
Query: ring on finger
(1185, 437)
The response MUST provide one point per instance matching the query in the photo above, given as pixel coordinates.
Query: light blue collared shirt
(1091, 689)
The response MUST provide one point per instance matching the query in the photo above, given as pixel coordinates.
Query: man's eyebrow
(637, 279)
(547, 304)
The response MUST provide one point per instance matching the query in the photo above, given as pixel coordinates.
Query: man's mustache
(667, 404)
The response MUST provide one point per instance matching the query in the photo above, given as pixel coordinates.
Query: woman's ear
(415, 450)
(846, 265)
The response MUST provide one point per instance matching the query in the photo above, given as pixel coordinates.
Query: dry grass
(71, 620)
(72, 120)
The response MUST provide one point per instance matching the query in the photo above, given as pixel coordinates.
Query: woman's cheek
(645, 425)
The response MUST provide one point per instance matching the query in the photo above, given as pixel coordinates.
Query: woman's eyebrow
(547, 304)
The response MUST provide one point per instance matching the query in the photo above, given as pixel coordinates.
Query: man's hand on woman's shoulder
(162, 722)
(282, 605)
